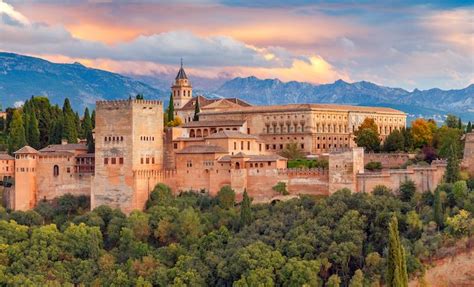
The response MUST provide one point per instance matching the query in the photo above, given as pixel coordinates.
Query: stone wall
(468, 160)
(343, 169)
(426, 178)
(388, 160)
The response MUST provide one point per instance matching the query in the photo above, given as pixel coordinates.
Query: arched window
(237, 165)
(56, 170)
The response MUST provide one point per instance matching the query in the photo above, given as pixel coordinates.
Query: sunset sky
(408, 44)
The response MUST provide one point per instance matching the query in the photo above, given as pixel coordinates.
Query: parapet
(126, 103)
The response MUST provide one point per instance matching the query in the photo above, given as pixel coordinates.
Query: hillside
(430, 103)
(23, 76)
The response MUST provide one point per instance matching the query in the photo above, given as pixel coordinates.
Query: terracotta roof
(90, 155)
(307, 107)
(252, 158)
(6, 156)
(57, 153)
(231, 134)
(195, 124)
(202, 149)
(64, 147)
(26, 149)
(203, 102)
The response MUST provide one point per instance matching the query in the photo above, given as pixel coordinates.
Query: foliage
(17, 137)
(226, 197)
(197, 110)
(170, 110)
(395, 141)
(396, 275)
(407, 190)
(292, 151)
(373, 166)
(422, 132)
(368, 139)
(452, 169)
(245, 210)
(461, 224)
(308, 163)
(280, 187)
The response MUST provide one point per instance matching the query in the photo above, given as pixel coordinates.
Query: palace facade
(233, 143)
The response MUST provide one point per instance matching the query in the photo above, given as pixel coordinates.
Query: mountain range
(24, 76)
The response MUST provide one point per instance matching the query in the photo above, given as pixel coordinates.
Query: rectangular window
(248, 145)
(259, 147)
(120, 160)
(106, 161)
(175, 145)
(114, 160)
(241, 145)
(147, 160)
(141, 160)
(153, 160)
(302, 146)
(235, 145)
(68, 170)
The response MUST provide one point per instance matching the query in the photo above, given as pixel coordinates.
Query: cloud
(9, 14)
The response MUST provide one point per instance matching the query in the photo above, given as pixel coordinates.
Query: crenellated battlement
(154, 173)
(302, 171)
(126, 103)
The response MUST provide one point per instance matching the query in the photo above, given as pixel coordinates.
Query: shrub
(280, 187)
(373, 166)
(226, 197)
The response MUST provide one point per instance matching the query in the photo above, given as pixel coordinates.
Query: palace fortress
(233, 143)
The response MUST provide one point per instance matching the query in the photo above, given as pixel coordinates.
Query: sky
(398, 43)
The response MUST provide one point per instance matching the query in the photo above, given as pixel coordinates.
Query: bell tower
(182, 90)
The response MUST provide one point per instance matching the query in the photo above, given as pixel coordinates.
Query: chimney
(63, 141)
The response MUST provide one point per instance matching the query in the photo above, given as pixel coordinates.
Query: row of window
(147, 160)
(147, 138)
(330, 146)
(113, 160)
(23, 156)
(279, 146)
(5, 168)
(113, 139)
(25, 169)
(177, 93)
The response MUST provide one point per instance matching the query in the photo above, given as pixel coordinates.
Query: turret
(26, 160)
(181, 89)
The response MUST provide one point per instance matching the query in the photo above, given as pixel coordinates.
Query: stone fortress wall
(468, 160)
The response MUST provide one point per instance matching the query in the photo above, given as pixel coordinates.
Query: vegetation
(38, 124)
(367, 135)
(280, 187)
(308, 163)
(195, 240)
(374, 166)
(292, 152)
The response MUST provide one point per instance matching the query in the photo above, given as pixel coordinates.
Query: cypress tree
(245, 210)
(469, 127)
(197, 109)
(171, 109)
(459, 124)
(16, 136)
(87, 128)
(69, 126)
(396, 275)
(438, 209)
(452, 168)
(93, 119)
(33, 130)
(56, 131)
(77, 121)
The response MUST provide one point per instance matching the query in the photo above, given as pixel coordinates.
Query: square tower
(128, 139)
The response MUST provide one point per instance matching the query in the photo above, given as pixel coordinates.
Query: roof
(308, 107)
(6, 156)
(202, 149)
(231, 134)
(203, 102)
(181, 73)
(64, 147)
(26, 149)
(57, 153)
(195, 124)
(252, 158)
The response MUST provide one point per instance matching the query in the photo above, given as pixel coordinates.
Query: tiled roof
(195, 124)
(6, 156)
(57, 153)
(202, 149)
(181, 74)
(203, 102)
(26, 149)
(231, 134)
(64, 147)
(307, 107)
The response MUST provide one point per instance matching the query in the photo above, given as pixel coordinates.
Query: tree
(368, 139)
(438, 209)
(139, 97)
(245, 210)
(33, 130)
(451, 121)
(226, 197)
(452, 169)
(333, 281)
(396, 275)
(460, 126)
(368, 123)
(460, 224)
(395, 141)
(408, 139)
(69, 128)
(469, 127)
(280, 187)
(171, 109)
(407, 190)
(292, 151)
(197, 110)
(298, 272)
(93, 119)
(87, 129)
(421, 132)
(16, 137)
(358, 279)
(445, 138)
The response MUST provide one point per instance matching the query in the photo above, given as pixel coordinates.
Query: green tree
(87, 130)
(408, 139)
(298, 272)
(292, 151)
(171, 109)
(438, 209)
(139, 97)
(395, 141)
(69, 127)
(245, 210)
(16, 137)
(469, 127)
(33, 130)
(333, 281)
(368, 139)
(407, 190)
(197, 110)
(280, 187)
(447, 138)
(451, 121)
(226, 197)
(452, 169)
(83, 241)
(396, 275)
(93, 119)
